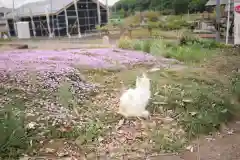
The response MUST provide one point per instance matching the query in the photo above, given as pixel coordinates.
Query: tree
(197, 5)
(178, 6)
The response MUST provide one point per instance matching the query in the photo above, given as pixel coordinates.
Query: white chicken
(133, 102)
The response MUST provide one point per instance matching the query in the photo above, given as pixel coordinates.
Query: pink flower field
(65, 60)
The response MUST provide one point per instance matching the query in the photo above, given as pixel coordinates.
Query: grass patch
(193, 53)
(201, 101)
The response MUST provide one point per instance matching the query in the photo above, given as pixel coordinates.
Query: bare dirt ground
(220, 146)
(46, 44)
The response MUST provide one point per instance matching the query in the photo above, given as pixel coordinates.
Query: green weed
(13, 138)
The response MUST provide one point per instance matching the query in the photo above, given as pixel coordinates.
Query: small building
(224, 5)
(35, 14)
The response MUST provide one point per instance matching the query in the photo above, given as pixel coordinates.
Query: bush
(151, 15)
(167, 12)
(146, 46)
(172, 26)
(137, 45)
(104, 29)
(172, 23)
(158, 47)
(125, 43)
(136, 19)
(189, 39)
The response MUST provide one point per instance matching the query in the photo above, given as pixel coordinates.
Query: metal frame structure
(77, 18)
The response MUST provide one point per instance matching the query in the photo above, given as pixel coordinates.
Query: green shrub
(167, 12)
(105, 29)
(159, 47)
(125, 43)
(206, 43)
(151, 15)
(187, 38)
(174, 24)
(137, 45)
(146, 46)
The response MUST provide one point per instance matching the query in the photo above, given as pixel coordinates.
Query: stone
(106, 40)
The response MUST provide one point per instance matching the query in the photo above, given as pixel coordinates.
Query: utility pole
(78, 22)
(218, 15)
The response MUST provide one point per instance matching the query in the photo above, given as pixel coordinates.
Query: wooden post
(66, 21)
(58, 26)
(7, 25)
(33, 25)
(78, 23)
(48, 21)
(98, 13)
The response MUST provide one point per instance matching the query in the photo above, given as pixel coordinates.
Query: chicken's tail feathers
(137, 81)
(144, 75)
